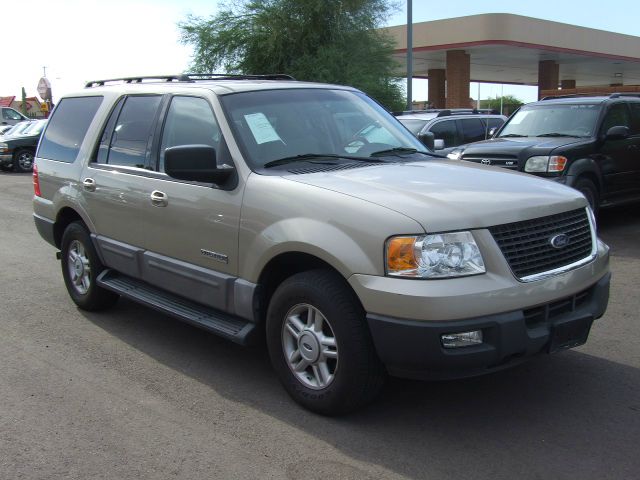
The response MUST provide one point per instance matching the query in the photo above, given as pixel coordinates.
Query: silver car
(253, 207)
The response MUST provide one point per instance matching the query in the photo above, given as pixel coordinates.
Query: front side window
(568, 120)
(618, 115)
(446, 131)
(190, 121)
(132, 133)
(279, 124)
(635, 118)
(11, 114)
(67, 128)
(473, 130)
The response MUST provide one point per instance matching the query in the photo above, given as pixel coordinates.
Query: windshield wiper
(556, 134)
(396, 150)
(312, 156)
(517, 135)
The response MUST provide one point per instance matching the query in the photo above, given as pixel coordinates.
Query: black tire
(358, 373)
(88, 296)
(587, 188)
(23, 161)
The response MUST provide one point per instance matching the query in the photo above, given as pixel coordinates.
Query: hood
(444, 195)
(516, 145)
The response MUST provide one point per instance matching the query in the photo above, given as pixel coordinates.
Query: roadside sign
(43, 87)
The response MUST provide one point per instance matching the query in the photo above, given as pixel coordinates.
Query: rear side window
(131, 137)
(67, 128)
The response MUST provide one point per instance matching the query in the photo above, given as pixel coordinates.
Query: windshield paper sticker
(261, 128)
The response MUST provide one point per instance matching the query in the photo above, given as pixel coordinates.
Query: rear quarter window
(67, 128)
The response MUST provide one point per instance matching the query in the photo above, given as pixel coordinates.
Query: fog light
(464, 339)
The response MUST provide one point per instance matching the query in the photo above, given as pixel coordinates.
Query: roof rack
(443, 112)
(624, 94)
(189, 77)
(575, 95)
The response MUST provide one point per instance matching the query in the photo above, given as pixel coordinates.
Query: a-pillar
(568, 84)
(437, 95)
(458, 79)
(548, 76)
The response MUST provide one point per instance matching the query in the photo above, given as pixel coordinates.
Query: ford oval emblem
(560, 240)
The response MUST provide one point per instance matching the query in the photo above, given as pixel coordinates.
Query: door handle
(89, 184)
(159, 199)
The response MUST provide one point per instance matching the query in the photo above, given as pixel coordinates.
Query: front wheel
(319, 344)
(587, 188)
(23, 161)
(80, 269)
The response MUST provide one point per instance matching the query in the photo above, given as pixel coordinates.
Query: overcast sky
(81, 40)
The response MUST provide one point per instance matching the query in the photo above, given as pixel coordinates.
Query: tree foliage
(333, 41)
(509, 103)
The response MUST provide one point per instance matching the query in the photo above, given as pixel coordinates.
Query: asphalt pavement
(130, 393)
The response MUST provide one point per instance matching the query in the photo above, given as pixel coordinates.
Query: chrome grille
(527, 245)
(505, 161)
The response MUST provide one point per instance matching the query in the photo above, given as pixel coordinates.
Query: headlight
(454, 154)
(554, 163)
(439, 255)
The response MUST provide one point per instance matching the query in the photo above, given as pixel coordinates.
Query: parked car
(17, 129)
(9, 116)
(589, 143)
(253, 207)
(17, 151)
(451, 128)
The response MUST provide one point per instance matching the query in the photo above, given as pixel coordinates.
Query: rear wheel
(319, 344)
(587, 188)
(23, 161)
(80, 269)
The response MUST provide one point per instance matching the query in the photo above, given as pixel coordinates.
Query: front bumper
(6, 160)
(413, 349)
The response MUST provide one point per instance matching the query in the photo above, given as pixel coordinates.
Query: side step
(234, 328)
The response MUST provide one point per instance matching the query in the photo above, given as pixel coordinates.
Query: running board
(228, 326)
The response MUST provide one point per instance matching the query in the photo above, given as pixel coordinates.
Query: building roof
(506, 48)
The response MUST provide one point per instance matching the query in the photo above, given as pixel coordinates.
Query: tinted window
(103, 149)
(190, 121)
(67, 127)
(617, 115)
(494, 123)
(473, 130)
(635, 118)
(131, 135)
(446, 131)
(11, 114)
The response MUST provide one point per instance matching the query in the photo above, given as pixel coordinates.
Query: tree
(314, 40)
(509, 103)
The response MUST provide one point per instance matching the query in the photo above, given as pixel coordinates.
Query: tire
(352, 374)
(80, 269)
(23, 161)
(587, 188)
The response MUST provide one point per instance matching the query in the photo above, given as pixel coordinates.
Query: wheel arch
(587, 168)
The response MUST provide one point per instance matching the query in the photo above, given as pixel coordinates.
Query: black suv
(589, 143)
(443, 130)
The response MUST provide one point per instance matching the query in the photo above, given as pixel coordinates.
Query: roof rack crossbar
(624, 94)
(189, 77)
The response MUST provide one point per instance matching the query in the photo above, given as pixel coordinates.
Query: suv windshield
(281, 124)
(571, 120)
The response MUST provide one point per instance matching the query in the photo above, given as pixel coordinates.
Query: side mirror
(617, 133)
(428, 139)
(492, 131)
(438, 144)
(196, 163)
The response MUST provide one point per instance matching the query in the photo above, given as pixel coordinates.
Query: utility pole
(44, 71)
(409, 54)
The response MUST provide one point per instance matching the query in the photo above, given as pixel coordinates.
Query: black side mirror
(428, 139)
(617, 133)
(196, 163)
